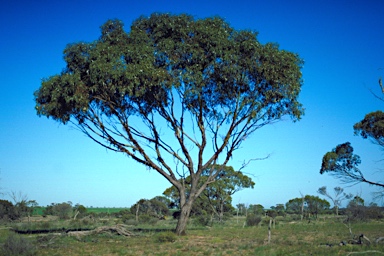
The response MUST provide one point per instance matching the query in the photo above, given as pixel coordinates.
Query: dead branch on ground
(119, 229)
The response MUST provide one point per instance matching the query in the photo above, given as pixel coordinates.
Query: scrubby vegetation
(328, 235)
(302, 226)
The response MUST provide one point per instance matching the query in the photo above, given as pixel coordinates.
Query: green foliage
(217, 197)
(202, 219)
(147, 219)
(253, 219)
(154, 207)
(342, 163)
(166, 237)
(128, 218)
(8, 211)
(372, 126)
(356, 201)
(165, 70)
(63, 210)
(16, 245)
(312, 204)
(80, 210)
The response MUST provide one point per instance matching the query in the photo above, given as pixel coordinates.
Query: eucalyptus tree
(343, 164)
(176, 94)
(339, 196)
(309, 204)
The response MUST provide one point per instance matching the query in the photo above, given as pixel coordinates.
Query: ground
(320, 237)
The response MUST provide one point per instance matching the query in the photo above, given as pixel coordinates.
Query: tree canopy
(372, 127)
(342, 163)
(308, 205)
(174, 93)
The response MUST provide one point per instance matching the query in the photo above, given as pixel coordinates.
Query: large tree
(174, 94)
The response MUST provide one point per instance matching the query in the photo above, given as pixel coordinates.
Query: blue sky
(341, 43)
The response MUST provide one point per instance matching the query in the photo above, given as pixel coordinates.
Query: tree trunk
(183, 219)
(137, 211)
(221, 211)
(269, 230)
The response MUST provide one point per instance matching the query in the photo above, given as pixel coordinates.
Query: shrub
(253, 219)
(45, 225)
(127, 216)
(131, 222)
(8, 211)
(202, 220)
(17, 245)
(146, 218)
(165, 237)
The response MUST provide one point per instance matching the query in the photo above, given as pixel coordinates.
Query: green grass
(38, 211)
(230, 238)
(105, 210)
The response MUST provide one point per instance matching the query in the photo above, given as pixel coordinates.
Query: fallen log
(119, 229)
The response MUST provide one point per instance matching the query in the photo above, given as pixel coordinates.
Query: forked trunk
(183, 219)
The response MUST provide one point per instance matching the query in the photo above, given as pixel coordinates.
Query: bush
(146, 218)
(165, 237)
(363, 213)
(202, 220)
(17, 245)
(130, 222)
(252, 219)
(127, 216)
(8, 211)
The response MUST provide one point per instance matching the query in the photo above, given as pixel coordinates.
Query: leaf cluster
(372, 126)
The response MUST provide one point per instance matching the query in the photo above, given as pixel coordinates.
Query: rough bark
(183, 219)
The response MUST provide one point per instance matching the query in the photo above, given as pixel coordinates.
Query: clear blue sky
(340, 41)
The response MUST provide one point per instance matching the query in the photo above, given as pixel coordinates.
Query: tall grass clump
(166, 237)
(16, 245)
(253, 220)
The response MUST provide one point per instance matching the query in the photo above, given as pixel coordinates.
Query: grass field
(39, 210)
(321, 237)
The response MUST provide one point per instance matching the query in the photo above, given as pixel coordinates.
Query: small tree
(174, 94)
(337, 198)
(241, 209)
(257, 209)
(313, 205)
(8, 211)
(79, 210)
(63, 210)
(154, 207)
